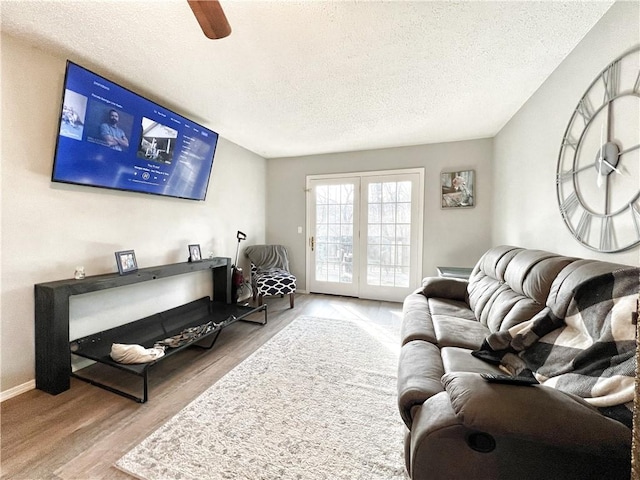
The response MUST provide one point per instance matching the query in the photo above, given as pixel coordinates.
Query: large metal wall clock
(598, 173)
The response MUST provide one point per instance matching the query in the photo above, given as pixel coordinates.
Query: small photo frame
(126, 261)
(194, 253)
(458, 189)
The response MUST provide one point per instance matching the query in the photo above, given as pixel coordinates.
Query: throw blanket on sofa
(589, 353)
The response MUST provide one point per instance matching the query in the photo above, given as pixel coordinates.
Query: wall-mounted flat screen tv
(110, 137)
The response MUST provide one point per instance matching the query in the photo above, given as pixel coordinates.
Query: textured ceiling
(301, 78)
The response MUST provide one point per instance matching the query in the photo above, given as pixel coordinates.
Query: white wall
(452, 237)
(47, 229)
(526, 150)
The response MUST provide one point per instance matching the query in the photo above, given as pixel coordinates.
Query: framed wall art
(458, 189)
(126, 261)
(194, 253)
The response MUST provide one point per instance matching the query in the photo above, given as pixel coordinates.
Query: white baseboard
(15, 391)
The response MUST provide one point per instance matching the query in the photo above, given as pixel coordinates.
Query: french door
(365, 233)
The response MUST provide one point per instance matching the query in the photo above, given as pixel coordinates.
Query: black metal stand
(96, 346)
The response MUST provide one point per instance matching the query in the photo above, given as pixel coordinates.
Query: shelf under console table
(188, 325)
(53, 356)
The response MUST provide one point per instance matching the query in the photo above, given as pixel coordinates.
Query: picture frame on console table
(126, 261)
(195, 255)
(458, 189)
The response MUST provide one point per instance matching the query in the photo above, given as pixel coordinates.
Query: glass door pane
(392, 221)
(389, 233)
(334, 233)
(333, 212)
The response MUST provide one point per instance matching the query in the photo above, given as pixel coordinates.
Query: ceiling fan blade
(211, 18)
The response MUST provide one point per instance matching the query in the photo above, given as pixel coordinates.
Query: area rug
(317, 401)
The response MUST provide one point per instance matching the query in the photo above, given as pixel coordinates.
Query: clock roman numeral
(607, 238)
(636, 86)
(584, 227)
(610, 78)
(584, 108)
(635, 214)
(564, 176)
(569, 205)
(569, 141)
(567, 174)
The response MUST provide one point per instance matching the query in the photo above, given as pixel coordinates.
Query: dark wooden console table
(53, 357)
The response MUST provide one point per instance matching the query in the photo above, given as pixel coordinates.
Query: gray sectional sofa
(568, 322)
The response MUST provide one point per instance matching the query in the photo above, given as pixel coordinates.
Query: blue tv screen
(110, 137)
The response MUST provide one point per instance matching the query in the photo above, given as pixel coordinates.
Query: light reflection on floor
(387, 335)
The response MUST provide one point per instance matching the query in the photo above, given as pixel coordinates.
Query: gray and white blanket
(590, 352)
(267, 257)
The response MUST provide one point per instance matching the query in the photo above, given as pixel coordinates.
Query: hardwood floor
(80, 433)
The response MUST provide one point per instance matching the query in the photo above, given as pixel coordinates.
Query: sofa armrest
(445, 287)
(535, 413)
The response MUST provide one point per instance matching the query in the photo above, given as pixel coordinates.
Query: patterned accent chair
(270, 273)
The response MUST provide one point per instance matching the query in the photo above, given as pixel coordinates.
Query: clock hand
(611, 166)
(599, 177)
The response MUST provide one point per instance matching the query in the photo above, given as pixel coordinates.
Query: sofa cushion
(419, 373)
(416, 322)
(455, 359)
(444, 287)
(453, 308)
(512, 284)
(458, 332)
(508, 309)
(532, 272)
(493, 263)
